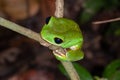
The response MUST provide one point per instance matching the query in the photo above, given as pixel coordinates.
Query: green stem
(70, 70)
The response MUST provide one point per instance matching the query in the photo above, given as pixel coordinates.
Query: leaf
(82, 72)
(111, 69)
(115, 76)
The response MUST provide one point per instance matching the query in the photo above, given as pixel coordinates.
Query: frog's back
(62, 25)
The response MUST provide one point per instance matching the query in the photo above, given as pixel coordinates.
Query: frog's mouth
(63, 55)
(75, 47)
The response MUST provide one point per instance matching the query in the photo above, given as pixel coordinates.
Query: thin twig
(28, 33)
(59, 12)
(22, 30)
(106, 21)
(67, 64)
(70, 70)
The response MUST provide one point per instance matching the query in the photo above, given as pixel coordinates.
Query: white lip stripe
(74, 47)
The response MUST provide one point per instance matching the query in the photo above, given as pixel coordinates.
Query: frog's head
(65, 33)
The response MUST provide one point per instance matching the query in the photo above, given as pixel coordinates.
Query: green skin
(68, 31)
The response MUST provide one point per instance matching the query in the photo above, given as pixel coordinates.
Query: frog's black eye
(58, 40)
(47, 20)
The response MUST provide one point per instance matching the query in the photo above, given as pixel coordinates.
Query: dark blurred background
(22, 58)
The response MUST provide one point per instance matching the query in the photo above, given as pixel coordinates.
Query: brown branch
(24, 31)
(59, 12)
(106, 21)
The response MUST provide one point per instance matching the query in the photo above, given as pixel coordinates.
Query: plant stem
(24, 31)
(70, 70)
(59, 12)
(67, 64)
(107, 21)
